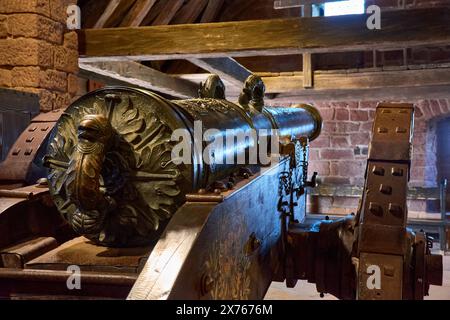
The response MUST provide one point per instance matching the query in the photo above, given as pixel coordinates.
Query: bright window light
(344, 7)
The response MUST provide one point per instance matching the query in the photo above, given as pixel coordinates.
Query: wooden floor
(307, 291)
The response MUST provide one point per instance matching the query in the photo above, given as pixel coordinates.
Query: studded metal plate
(382, 220)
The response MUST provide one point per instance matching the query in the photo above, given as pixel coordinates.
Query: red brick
(418, 113)
(330, 154)
(420, 126)
(339, 142)
(318, 204)
(339, 104)
(329, 127)
(322, 105)
(359, 115)
(314, 154)
(327, 114)
(26, 76)
(321, 167)
(435, 108)
(66, 59)
(346, 202)
(419, 138)
(35, 26)
(418, 163)
(336, 180)
(368, 104)
(362, 138)
(321, 142)
(419, 157)
(342, 115)
(445, 106)
(418, 174)
(366, 127)
(424, 106)
(419, 149)
(347, 127)
(347, 168)
(5, 78)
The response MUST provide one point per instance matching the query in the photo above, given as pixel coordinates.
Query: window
(343, 7)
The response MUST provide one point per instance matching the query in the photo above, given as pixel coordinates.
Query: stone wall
(37, 53)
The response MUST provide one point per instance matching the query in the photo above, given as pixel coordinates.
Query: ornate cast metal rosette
(111, 174)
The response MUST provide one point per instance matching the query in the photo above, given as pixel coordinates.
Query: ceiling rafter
(168, 12)
(137, 14)
(141, 76)
(134, 73)
(211, 11)
(190, 12)
(405, 28)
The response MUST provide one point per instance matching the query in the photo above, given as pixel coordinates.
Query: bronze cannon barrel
(114, 156)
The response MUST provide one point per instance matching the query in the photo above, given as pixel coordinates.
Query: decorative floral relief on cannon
(111, 173)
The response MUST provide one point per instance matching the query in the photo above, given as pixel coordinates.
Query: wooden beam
(420, 83)
(137, 14)
(151, 16)
(168, 12)
(308, 72)
(114, 13)
(107, 14)
(405, 28)
(139, 75)
(101, 79)
(360, 80)
(211, 11)
(406, 94)
(91, 11)
(226, 68)
(190, 12)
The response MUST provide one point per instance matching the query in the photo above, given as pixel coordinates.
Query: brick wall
(339, 155)
(37, 53)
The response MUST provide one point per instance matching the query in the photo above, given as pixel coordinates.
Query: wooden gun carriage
(120, 213)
